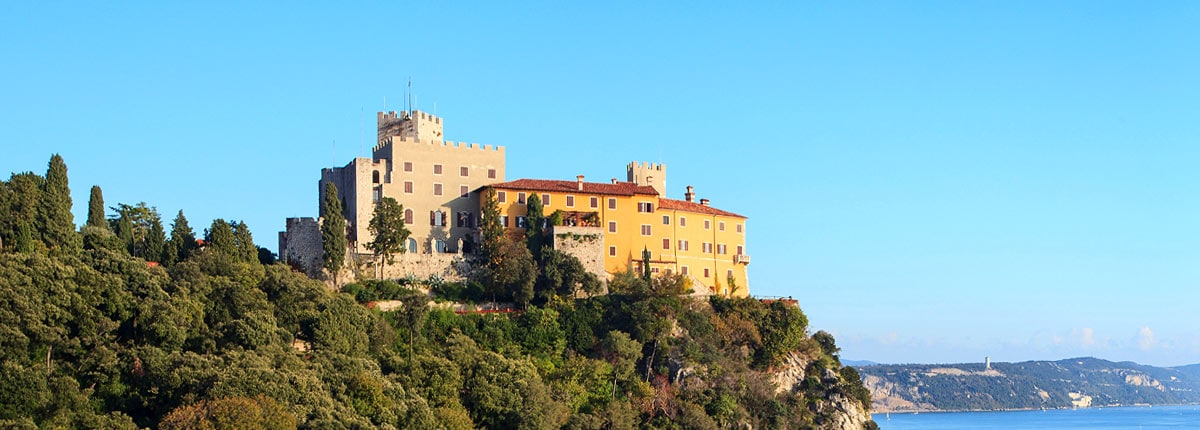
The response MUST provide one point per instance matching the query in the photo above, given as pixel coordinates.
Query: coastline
(946, 411)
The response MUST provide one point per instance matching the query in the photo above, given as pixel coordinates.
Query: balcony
(741, 259)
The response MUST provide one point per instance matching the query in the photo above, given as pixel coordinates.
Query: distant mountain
(858, 363)
(1075, 382)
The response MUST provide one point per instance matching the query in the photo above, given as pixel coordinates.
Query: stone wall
(301, 245)
(586, 244)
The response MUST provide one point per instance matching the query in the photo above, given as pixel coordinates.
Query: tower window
(463, 171)
(437, 169)
(408, 216)
(408, 187)
(437, 189)
(375, 177)
(407, 166)
(491, 173)
(463, 191)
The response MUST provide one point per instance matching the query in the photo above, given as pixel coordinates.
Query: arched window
(412, 245)
(408, 217)
(375, 177)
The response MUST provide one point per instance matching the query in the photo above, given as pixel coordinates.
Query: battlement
(403, 140)
(660, 167)
(392, 116)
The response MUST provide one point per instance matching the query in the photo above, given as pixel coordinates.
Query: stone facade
(301, 244)
(584, 243)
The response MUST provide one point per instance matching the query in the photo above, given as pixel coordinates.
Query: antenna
(410, 97)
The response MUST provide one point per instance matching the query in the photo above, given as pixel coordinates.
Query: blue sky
(935, 181)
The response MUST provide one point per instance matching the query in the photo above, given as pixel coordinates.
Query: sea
(1123, 418)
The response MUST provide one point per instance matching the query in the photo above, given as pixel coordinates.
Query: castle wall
(586, 244)
(301, 245)
(652, 174)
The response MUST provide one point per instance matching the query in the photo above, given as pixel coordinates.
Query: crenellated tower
(411, 125)
(652, 174)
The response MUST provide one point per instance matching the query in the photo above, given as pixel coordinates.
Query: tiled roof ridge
(684, 205)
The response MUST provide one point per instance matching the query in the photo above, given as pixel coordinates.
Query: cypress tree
(156, 241)
(182, 242)
(534, 231)
(57, 224)
(333, 230)
(96, 209)
(244, 242)
(24, 238)
(124, 230)
(219, 237)
(492, 231)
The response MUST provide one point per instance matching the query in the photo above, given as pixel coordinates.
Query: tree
(96, 208)
(535, 231)
(219, 237)
(646, 264)
(516, 274)
(182, 242)
(134, 226)
(56, 221)
(333, 231)
(156, 242)
(244, 242)
(491, 231)
(387, 226)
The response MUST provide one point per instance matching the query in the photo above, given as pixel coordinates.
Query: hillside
(1075, 382)
(122, 325)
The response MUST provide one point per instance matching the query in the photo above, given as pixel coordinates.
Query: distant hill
(858, 363)
(1075, 382)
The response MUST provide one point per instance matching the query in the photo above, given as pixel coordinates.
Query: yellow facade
(699, 241)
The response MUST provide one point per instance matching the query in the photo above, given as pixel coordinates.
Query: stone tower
(412, 125)
(652, 174)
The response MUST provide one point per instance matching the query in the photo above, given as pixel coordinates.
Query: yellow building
(683, 236)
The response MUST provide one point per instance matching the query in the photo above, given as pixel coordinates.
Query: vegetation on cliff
(100, 330)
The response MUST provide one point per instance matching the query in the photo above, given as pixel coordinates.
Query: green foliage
(20, 200)
(535, 230)
(182, 242)
(491, 231)
(96, 208)
(333, 231)
(387, 228)
(55, 221)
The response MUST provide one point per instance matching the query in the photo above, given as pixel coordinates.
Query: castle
(607, 225)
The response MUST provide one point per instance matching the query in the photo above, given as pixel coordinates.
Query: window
(545, 200)
(501, 197)
(408, 216)
(645, 229)
(412, 246)
(721, 226)
(463, 219)
(595, 202)
(666, 220)
(706, 248)
(729, 275)
(612, 251)
(437, 218)
(739, 250)
(522, 222)
(407, 166)
(463, 191)
(463, 171)
(645, 207)
(570, 201)
(683, 245)
(437, 189)
(437, 169)
(707, 224)
(682, 222)
(491, 173)
(721, 249)
(683, 270)
(612, 226)
(375, 177)
(655, 270)
(520, 198)
(612, 203)
(705, 272)
(376, 194)
(504, 220)
(666, 243)
(408, 187)
(739, 228)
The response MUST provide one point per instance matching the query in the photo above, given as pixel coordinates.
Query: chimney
(579, 181)
(614, 181)
(704, 202)
(689, 195)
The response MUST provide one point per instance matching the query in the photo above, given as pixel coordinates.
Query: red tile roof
(617, 189)
(681, 205)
